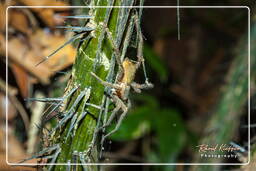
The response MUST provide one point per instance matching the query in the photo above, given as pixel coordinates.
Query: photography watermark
(218, 151)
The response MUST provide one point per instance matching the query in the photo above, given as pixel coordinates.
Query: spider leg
(140, 47)
(118, 102)
(137, 87)
(120, 105)
(115, 48)
(115, 86)
(122, 116)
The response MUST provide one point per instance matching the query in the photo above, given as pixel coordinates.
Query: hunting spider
(125, 81)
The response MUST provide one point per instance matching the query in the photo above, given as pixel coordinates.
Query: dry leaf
(16, 152)
(42, 45)
(19, 21)
(22, 79)
(20, 54)
(46, 14)
(49, 43)
(2, 17)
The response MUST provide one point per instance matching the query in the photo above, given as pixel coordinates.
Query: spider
(125, 81)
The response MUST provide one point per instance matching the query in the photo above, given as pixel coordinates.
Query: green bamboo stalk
(225, 121)
(94, 55)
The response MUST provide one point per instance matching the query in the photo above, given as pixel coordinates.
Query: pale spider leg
(122, 116)
(137, 87)
(127, 38)
(95, 133)
(140, 47)
(124, 108)
(115, 86)
(102, 35)
(118, 104)
(109, 121)
(115, 48)
(94, 105)
(104, 122)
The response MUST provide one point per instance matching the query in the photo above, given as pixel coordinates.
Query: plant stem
(94, 55)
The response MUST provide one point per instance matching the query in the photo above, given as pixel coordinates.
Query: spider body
(126, 78)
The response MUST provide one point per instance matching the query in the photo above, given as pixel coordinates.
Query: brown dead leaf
(20, 54)
(19, 21)
(16, 152)
(46, 14)
(42, 45)
(2, 17)
(49, 43)
(22, 79)
(42, 3)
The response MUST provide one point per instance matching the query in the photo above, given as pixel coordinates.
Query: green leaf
(156, 63)
(171, 134)
(147, 100)
(134, 126)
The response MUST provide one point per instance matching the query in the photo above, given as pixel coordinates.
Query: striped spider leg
(124, 82)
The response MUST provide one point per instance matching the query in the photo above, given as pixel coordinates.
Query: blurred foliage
(156, 63)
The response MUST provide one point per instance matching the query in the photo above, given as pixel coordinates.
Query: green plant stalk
(225, 121)
(86, 62)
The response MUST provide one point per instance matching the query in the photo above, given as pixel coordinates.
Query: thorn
(59, 48)
(75, 28)
(44, 99)
(40, 154)
(78, 17)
